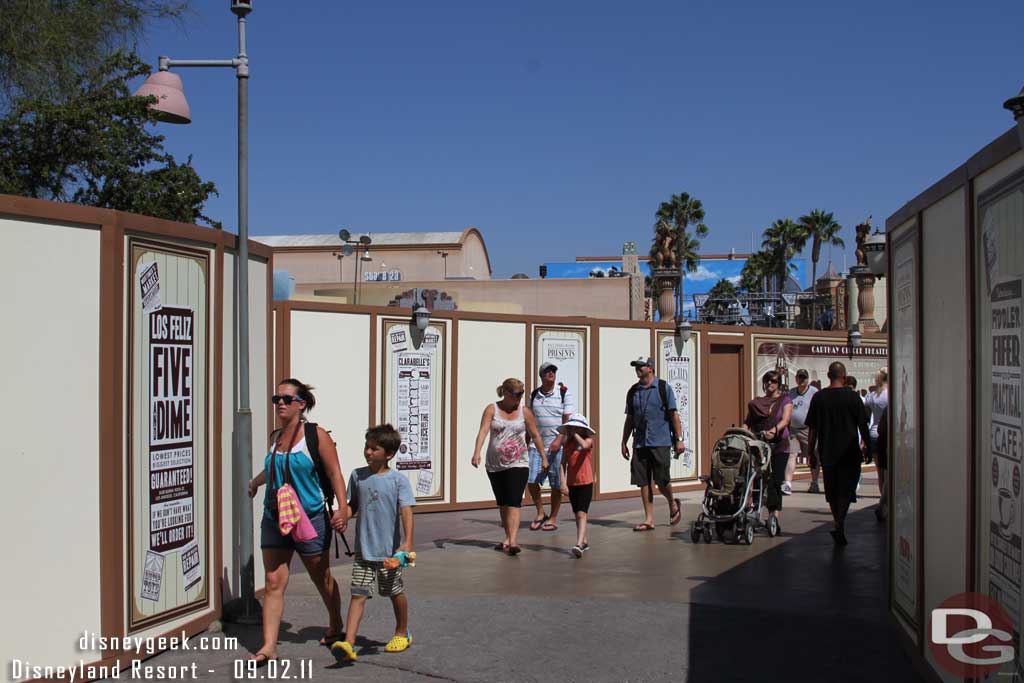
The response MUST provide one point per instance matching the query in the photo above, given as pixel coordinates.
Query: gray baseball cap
(642, 361)
(548, 366)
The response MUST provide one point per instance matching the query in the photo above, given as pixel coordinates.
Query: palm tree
(719, 297)
(673, 244)
(759, 266)
(783, 240)
(821, 228)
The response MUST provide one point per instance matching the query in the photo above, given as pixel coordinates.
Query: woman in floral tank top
(508, 462)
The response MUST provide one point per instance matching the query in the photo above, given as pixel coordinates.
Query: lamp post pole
(171, 107)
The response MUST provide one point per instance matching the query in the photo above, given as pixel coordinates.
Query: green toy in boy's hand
(401, 559)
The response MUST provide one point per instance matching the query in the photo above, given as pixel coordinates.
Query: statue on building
(863, 230)
(663, 251)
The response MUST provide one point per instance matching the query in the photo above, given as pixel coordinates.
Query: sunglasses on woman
(515, 394)
(286, 399)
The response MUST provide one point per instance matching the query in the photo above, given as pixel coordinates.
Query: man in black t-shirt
(838, 425)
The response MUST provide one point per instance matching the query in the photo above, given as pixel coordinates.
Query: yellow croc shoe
(345, 650)
(399, 643)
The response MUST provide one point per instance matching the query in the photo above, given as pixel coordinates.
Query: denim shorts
(270, 536)
(554, 473)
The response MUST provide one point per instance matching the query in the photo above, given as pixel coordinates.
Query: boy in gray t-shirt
(381, 501)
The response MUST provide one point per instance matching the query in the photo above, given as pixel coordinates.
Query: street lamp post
(444, 259)
(171, 107)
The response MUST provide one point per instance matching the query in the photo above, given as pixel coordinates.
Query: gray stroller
(734, 500)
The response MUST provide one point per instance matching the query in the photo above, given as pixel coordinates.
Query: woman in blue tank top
(289, 459)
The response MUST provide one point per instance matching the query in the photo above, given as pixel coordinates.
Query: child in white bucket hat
(577, 458)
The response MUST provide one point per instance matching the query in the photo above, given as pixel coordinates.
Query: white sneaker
(787, 488)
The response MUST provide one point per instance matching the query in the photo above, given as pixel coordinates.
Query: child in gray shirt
(380, 500)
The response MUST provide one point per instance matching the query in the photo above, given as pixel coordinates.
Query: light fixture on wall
(421, 318)
(874, 253)
(684, 330)
(1016, 105)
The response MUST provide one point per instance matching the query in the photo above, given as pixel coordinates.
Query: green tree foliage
(47, 46)
(782, 240)
(719, 297)
(94, 147)
(758, 268)
(821, 228)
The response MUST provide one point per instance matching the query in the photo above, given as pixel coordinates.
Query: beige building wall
(594, 297)
(618, 345)
(489, 352)
(51, 450)
(946, 410)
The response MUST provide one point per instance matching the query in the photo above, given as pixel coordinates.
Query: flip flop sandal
(514, 550)
(538, 523)
(577, 551)
(644, 527)
(501, 547)
(399, 643)
(345, 651)
(331, 638)
(676, 516)
(549, 526)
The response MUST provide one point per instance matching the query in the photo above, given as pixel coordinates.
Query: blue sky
(558, 128)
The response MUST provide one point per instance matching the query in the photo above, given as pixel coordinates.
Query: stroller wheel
(748, 533)
(695, 533)
(773, 526)
(707, 533)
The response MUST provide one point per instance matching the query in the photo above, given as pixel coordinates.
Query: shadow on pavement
(800, 611)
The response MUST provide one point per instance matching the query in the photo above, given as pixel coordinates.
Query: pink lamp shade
(171, 106)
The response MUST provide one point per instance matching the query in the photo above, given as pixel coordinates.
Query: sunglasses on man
(285, 399)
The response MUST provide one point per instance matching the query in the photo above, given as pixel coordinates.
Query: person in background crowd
(801, 396)
(838, 424)
(877, 404)
(290, 454)
(769, 416)
(851, 384)
(508, 463)
(652, 421)
(551, 406)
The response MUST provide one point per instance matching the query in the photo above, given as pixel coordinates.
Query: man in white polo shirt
(552, 404)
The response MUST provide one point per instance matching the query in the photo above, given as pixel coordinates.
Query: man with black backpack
(653, 421)
(551, 404)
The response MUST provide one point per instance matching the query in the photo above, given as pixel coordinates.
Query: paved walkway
(638, 607)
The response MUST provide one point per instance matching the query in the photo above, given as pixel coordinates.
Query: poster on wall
(171, 491)
(168, 456)
(905, 437)
(676, 365)
(413, 393)
(566, 348)
(814, 355)
(1005, 433)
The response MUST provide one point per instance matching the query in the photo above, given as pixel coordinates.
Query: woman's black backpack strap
(313, 446)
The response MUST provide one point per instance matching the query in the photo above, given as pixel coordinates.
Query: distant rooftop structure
(430, 256)
(379, 239)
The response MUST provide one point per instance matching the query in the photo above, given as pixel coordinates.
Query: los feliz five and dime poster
(413, 383)
(676, 366)
(168, 458)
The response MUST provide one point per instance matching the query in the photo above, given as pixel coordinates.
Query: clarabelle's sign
(171, 466)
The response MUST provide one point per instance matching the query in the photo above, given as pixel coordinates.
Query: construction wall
(955, 266)
(355, 357)
(124, 478)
